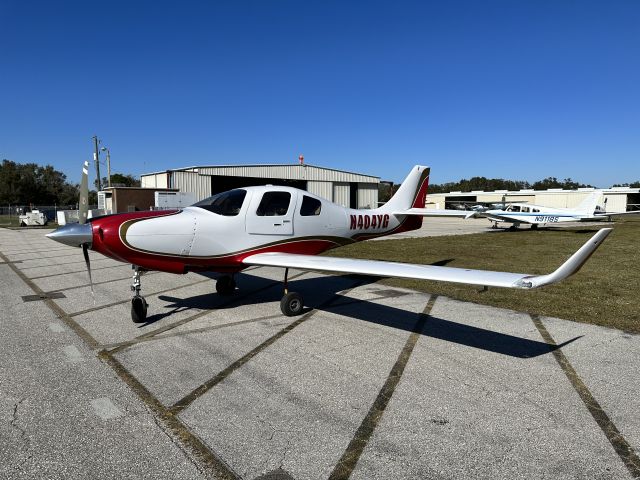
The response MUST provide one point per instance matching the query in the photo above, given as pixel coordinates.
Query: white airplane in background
(277, 227)
(536, 215)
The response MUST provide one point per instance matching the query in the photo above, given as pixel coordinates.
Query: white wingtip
(571, 266)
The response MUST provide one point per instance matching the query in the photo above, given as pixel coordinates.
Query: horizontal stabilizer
(601, 215)
(430, 272)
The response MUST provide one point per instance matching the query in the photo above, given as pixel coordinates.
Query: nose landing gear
(138, 303)
(291, 303)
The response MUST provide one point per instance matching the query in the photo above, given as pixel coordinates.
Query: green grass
(8, 220)
(606, 291)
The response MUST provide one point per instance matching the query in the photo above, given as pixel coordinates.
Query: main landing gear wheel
(139, 309)
(225, 285)
(534, 226)
(291, 304)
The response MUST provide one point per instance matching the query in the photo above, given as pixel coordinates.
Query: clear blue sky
(511, 89)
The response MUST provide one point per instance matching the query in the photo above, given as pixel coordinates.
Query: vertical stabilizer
(412, 193)
(588, 205)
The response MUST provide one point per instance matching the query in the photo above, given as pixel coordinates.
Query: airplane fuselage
(533, 214)
(197, 238)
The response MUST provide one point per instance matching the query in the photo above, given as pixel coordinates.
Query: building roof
(146, 189)
(286, 171)
(612, 190)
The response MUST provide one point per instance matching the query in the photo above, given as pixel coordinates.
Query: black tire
(291, 304)
(534, 226)
(225, 285)
(139, 309)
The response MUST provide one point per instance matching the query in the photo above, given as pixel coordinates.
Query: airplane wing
(430, 272)
(434, 212)
(502, 217)
(493, 216)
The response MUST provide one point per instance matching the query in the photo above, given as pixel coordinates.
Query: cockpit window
(274, 204)
(225, 203)
(310, 206)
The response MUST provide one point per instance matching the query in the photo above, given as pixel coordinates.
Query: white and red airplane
(278, 227)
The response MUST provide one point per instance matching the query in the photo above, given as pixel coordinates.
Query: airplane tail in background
(588, 205)
(411, 194)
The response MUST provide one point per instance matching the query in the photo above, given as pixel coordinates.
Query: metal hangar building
(354, 190)
(616, 199)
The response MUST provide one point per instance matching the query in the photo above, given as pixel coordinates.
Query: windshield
(225, 203)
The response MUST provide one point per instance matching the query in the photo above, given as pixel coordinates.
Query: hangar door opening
(222, 183)
(353, 195)
(633, 202)
(460, 202)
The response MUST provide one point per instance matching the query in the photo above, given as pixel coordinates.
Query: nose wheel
(138, 303)
(291, 303)
(139, 309)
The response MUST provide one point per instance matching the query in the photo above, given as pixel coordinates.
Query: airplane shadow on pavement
(323, 293)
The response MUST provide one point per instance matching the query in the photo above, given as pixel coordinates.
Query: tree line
(30, 183)
(492, 184)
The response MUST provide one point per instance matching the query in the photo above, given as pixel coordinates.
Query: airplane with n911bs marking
(536, 215)
(278, 227)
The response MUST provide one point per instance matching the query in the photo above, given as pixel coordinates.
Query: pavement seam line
(197, 446)
(187, 400)
(111, 347)
(615, 437)
(347, 463)
(75, 271)
(120, 302)
(59, 312)
(159, 336)
(149, 335)
(186, 437)
(31, 267)
(76, 287)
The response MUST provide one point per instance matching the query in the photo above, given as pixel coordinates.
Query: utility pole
(96, 158)
(109, 167)
(105, 149)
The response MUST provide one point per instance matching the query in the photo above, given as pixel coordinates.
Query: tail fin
(588, 205)
(412, 193)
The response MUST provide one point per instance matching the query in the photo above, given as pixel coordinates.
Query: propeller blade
(85, 252)
(84, 194)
